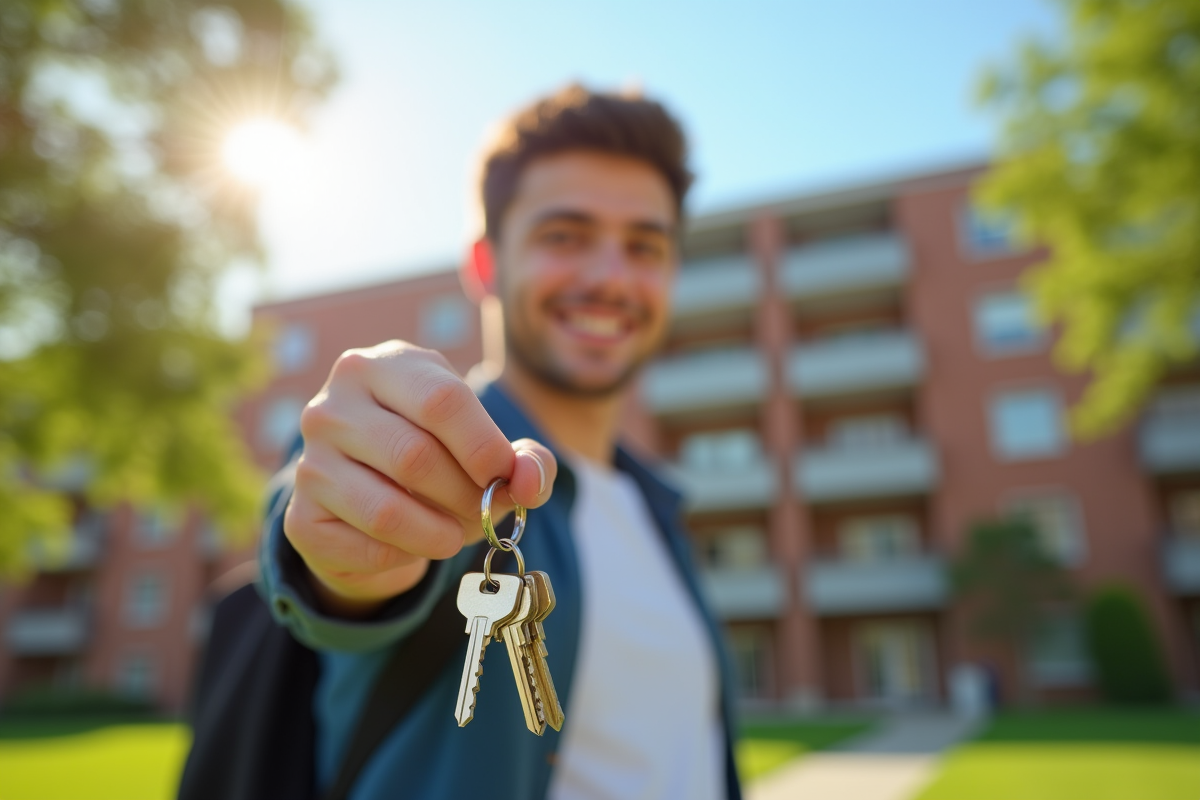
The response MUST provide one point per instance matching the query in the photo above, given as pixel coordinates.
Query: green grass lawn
(766, 745)
(1077, 755)
(90, 759)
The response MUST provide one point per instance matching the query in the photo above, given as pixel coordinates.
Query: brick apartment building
(852, 379)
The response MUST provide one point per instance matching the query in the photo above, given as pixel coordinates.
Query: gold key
(515, 635)
(485, 610)
(551, 706)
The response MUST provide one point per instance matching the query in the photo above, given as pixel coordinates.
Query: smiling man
(377, 517)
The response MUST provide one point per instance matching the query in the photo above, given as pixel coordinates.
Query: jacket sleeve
(284, 585)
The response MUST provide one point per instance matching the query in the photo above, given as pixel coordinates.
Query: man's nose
(609, 264)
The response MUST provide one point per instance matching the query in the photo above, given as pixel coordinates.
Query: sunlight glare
(263, 151)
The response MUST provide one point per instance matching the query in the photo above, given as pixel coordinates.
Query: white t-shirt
(643, 718)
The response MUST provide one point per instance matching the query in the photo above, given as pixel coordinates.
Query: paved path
(892, 762)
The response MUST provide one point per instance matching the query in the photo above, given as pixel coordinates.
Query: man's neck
(586, 426)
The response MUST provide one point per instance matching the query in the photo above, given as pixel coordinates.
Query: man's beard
(539, 362)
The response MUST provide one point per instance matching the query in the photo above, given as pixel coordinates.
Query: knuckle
(382, 515)
(315, 418)
(351, 362)
(442, 398)
(412, 454)
(378, 556)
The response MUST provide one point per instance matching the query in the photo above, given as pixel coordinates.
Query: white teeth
(596, 326)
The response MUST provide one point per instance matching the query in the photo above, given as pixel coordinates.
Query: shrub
(1125, 652)
(45, 701)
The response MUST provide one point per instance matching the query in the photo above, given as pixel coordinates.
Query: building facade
(852, 379)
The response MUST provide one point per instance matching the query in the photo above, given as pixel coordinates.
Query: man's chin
(579, 383)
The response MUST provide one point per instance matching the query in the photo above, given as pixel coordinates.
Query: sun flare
(263, 151)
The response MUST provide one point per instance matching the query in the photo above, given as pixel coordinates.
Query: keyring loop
(485, 514)
(511, 547)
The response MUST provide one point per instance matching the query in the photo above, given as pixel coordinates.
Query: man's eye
(648, 250)
(561, 237)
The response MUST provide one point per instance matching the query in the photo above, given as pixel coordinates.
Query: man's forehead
(606, 188)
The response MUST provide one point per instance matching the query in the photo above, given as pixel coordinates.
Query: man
(582, 196)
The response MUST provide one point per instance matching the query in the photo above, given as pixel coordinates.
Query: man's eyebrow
(584, 218)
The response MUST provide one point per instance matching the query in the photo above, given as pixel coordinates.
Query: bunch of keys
(508, 608)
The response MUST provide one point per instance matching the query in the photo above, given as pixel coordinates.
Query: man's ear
(478, 273)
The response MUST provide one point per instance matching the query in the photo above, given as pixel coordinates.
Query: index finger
(429, 394)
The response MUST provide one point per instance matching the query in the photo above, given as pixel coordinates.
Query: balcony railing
(1181, 564)
(711, 379)
(845, 266)
(754, 485)
(735, 594)
(1170, 444)
(47, 632)
(897, 469)
(915, 583)
(714, 287)
(852, 364)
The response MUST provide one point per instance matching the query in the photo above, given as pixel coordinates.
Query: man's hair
(575, 118)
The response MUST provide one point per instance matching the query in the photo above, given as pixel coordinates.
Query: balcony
(755, 485)
(51, 632)
(845, 365)
(1170, 443)
(707, 380)
(896, 469)
(842, 587)
(715, 288)
(845, 266)
(743, 594)
(1181, 564)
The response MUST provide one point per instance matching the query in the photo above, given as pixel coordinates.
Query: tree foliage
(1127, 655)
(116, 221)
(1008, 583)
(1100, 161)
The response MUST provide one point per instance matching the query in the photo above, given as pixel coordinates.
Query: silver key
(484, 612)
(515, 635)
(551, 707)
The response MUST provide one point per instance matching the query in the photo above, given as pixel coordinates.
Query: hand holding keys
(510, 608)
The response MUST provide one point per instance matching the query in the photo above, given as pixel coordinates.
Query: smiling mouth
(596, 327)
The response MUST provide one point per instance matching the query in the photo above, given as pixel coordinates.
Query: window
(1059, 525)
(145, 600)
(868, 431)
(154, 527)
(1058, 656)
(280, 422)
(1026, 424)
(750, 648)
(294, 348)
(881, 538)
(737, 548)
(1185, 513)
(720, 451)
(137, 674)
(984, 234)
(1004, 324)
(445, 322)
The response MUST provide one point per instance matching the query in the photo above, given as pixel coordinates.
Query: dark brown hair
(575, 118)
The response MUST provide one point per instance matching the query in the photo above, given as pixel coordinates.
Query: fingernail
(541, 469)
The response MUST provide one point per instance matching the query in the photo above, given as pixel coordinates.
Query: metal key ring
(485, 513)
(510, 548)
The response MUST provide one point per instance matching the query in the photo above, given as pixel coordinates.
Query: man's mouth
(598, 328)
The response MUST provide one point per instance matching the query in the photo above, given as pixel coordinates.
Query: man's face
(584, 267)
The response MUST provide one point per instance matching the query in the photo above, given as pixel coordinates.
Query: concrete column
(797, 660)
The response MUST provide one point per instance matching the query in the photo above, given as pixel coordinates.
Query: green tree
(1100, 161)
(1127, 655)
(1007, 584)
(116, 222)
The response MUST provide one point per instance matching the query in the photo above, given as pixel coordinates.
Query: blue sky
(778, 97)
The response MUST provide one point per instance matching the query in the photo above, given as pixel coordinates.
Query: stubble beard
(539, 362)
